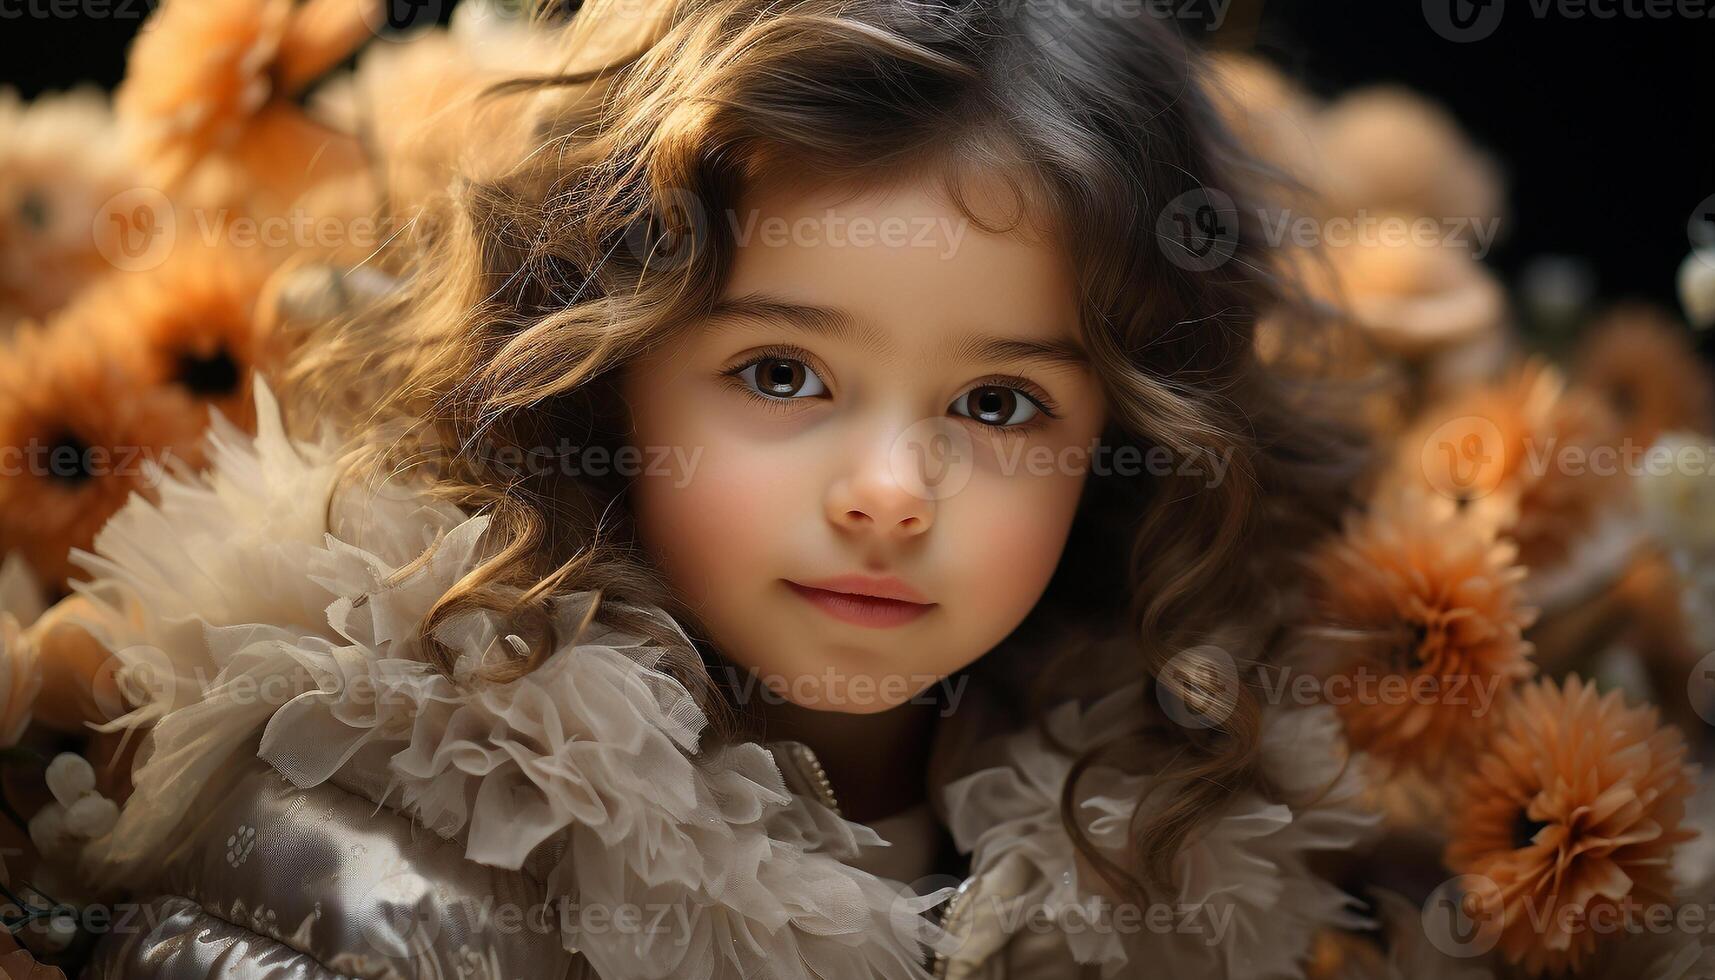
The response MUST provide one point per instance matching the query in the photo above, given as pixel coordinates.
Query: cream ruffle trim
(243, 602)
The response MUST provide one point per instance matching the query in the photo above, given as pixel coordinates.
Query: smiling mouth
(876, 612)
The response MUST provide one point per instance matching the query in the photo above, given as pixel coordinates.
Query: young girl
(837, 431)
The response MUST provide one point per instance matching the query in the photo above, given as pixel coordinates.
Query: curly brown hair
(536, 288)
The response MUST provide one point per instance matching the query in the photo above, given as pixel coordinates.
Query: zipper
(949, 914)
(819, 782)
(811, 769)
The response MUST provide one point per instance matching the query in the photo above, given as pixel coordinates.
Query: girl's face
(867, 460)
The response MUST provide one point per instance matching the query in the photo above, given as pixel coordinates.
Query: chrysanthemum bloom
(1573, 814)
(425, 108)
(1643, 363)
(126, 375)
(60, 165)
(1387, 149)
(75, 421)
(1415, 299)
(198, 323)
(1522, 455)
(1422, 631)
(215, 76)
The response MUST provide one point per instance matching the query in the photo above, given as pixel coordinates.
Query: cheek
(1009, 534)
(721, 506)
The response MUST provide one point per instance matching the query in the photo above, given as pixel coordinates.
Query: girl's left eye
(782, 377)
(996, 405)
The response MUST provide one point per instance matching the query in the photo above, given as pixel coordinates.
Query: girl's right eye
(783, 378)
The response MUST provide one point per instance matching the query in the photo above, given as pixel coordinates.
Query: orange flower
(60, 166)
(1425, 624)
(197, 318)
(1517, 456)
(423, 108)
(1572, 815)
(206, 72)
(1643, 363)
(124, 375)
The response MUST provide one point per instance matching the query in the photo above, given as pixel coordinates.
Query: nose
(869, 499)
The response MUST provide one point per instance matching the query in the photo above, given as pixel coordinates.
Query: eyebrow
(829, 321)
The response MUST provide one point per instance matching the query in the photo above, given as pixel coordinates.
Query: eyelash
(1046, 406)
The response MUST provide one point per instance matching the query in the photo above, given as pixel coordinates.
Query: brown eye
(783, 377)
(995, 405)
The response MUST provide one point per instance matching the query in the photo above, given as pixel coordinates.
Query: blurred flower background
(1504, 214)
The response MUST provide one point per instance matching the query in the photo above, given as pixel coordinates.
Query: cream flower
(1697, 287)
(61, 167)
(1388, 149)
(1678, 507)
(1415, 299)
(424, 106)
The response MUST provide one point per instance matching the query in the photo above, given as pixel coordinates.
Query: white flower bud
(70, 777)
(61, 930)
(1697, 288)
(92, 816)
(48, 830)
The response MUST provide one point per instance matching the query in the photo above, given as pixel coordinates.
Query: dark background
(1606, 126)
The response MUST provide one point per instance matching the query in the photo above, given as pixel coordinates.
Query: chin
(840, 689)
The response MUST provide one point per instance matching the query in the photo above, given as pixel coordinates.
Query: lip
(861, 600)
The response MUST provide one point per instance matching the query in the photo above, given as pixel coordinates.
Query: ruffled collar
(235, 606)
(258, 600)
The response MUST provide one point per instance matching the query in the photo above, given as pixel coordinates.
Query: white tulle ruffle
(246, 602)
(1246, 904)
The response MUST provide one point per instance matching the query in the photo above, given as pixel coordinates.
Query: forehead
(905, 258)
